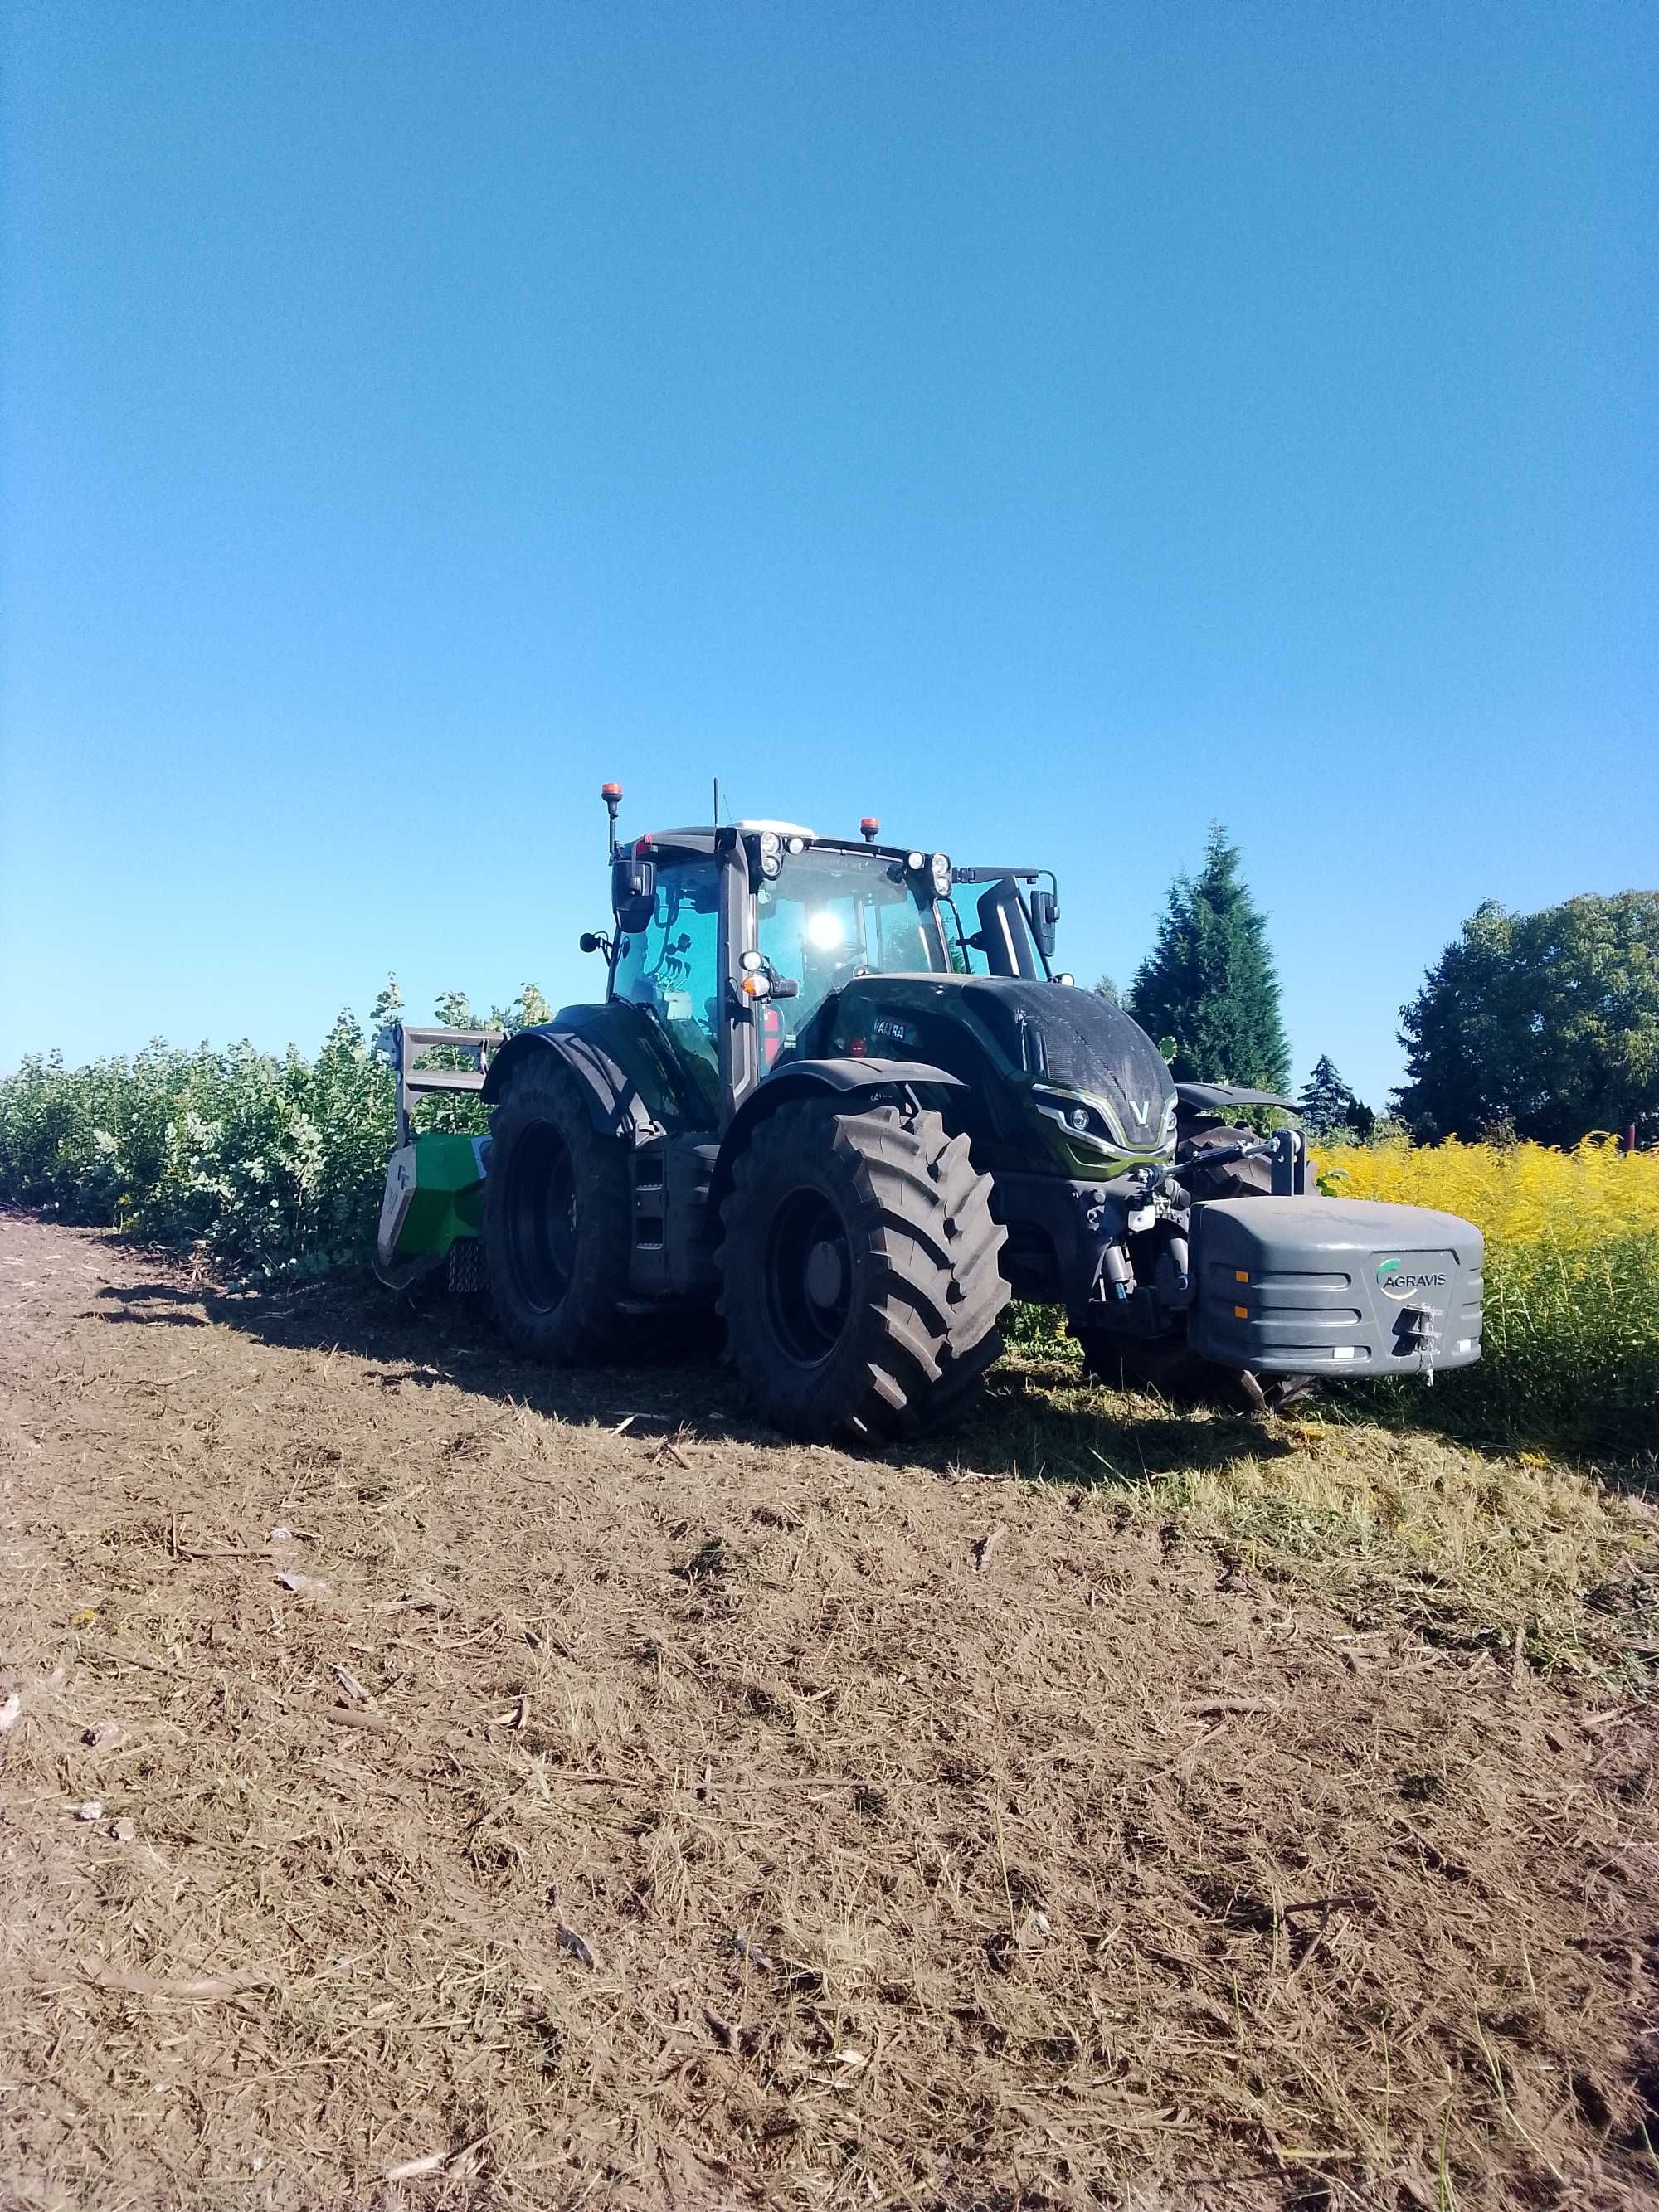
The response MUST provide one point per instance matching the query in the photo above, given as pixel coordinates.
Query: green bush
(270, 1163)
(274, 1165)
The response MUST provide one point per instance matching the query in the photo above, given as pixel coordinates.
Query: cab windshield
(829, 916)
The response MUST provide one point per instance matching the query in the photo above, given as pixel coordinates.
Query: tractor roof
(701, 837)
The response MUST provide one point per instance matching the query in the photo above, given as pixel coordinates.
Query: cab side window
(674, 967)
(968, 956)
(1002, 943)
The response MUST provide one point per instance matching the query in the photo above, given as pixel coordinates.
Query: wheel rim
(808, 1277)
(541, 1216)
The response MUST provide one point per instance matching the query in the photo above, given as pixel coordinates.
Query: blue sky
(1048, 427)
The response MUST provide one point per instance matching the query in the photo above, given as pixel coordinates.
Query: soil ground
(423, 1790)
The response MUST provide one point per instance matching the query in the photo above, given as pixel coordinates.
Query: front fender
(1223, 1098)
(851, 1080)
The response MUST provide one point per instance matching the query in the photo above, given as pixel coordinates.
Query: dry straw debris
(736, 1825)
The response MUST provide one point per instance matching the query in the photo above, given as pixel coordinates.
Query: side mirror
(1045, 914)
(633, 892)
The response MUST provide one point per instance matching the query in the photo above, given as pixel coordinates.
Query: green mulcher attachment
(432, 1215)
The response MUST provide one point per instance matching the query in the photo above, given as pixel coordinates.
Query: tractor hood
(1002, 1031)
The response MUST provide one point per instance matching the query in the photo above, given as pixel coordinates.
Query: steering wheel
(838, 973)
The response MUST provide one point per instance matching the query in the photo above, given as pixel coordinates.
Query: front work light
(939, 869)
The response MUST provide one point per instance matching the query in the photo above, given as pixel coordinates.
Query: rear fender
(858, 1084)
(616, 1073)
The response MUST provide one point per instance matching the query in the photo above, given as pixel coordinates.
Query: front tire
(858, 1265)
(558, 1208)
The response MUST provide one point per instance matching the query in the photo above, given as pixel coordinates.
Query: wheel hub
(826, 1275)
(808, 1276)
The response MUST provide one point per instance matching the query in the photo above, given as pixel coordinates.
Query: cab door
(674, 969)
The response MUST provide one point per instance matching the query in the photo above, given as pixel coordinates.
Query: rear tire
(558, 1215)
(858, 1265)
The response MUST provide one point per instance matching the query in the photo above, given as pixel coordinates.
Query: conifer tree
(1328, 1105)
(1209, 982)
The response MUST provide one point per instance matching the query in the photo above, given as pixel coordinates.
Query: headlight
(1075, 1115)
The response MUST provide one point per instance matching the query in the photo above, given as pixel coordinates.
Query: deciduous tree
(1548, 1022)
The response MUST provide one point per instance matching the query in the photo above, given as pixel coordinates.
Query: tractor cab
(733, 940)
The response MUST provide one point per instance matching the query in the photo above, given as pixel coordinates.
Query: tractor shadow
(150, 1305)
(1040, 1421)
(1037, 1421)
(428, 1340)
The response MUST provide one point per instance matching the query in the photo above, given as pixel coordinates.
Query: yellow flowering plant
(1572, 1276)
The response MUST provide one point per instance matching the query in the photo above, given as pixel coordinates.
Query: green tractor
(835, 1090)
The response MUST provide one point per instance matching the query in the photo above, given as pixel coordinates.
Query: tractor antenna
(611, 794)
(717, 802)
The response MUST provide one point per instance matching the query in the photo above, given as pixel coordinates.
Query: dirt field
(409, 1771)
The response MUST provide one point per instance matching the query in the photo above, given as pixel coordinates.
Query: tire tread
(927, 1326)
